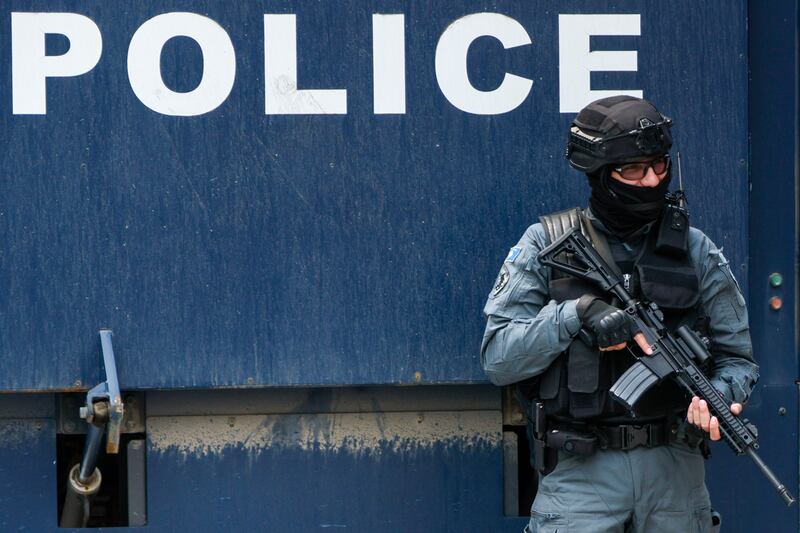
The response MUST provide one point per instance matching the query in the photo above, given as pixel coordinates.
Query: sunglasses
(637, 171)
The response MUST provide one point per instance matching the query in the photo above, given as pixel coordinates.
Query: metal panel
(240, 249)
(28, 474)
(137, 483)
(435, 471)
(746, 501)
(510, 475)
(323, 400)
(270, 460)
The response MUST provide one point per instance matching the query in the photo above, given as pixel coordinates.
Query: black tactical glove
(610, 325)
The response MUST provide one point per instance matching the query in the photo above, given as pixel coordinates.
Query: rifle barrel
(782, 490)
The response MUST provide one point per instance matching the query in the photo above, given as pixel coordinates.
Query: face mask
(624, 208)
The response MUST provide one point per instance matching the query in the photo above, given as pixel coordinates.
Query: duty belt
(584, 440)
(628, 437)
(549, 436)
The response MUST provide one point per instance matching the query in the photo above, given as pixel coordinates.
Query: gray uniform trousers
(644, 490)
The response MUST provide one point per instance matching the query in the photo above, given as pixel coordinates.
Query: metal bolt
(781, 411)
(232, 421)
(417, 376)
(77, 383)
(130, 424)
(250, 381)
(420, 418)
(69, 426)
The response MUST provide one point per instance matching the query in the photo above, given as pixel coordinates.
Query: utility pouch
(553, 382)
(579, 444)
(583, 368)
(586, 368)
(670, 281)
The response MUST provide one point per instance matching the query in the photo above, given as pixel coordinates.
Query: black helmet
(617, 129)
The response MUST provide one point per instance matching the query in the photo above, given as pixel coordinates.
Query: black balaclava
(624, 208)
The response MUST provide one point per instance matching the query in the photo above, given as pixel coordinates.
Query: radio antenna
(681, 195)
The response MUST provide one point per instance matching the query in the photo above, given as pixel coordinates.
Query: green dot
(775, 279)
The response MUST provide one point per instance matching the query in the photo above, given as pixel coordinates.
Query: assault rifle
(677, 358)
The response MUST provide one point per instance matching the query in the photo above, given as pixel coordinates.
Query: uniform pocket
(703, 521)
(545, 522)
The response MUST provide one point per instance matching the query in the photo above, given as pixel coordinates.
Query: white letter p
(30, 67)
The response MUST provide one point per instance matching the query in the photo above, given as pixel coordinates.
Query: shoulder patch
(501, 282)
(513, 254)
(724, 265)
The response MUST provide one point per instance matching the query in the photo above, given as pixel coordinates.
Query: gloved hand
(612, 327)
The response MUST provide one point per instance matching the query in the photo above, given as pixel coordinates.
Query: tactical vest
(575, 386)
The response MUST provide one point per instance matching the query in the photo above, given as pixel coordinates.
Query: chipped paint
(352, 433)
(20, 433)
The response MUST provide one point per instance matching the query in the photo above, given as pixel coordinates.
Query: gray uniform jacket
(526, 330)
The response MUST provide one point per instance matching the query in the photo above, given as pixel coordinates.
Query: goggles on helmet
(589, 153)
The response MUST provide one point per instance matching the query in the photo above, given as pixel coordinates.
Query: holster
(581, 444)
(545, 458)
(548, 442)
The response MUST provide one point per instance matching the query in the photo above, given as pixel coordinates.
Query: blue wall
(238, 248)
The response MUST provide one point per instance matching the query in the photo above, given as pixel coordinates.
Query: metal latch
(106, 392)
(103, 410)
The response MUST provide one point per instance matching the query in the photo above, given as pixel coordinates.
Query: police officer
(565, 343)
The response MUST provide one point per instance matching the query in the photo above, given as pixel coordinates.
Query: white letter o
(144, 64)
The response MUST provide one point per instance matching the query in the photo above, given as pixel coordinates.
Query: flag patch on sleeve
(512, 254)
